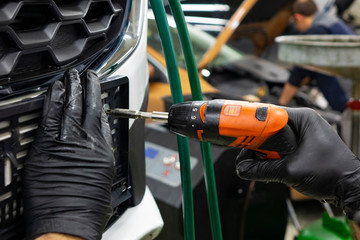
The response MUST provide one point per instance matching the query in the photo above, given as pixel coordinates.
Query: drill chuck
(184, 117)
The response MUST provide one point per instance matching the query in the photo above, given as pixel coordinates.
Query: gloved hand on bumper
(322, 167)
(70, 167)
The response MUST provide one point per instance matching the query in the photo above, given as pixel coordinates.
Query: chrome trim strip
(130, 40)
(18, 99)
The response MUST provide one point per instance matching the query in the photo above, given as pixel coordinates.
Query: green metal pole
(183, 144)
(211, 191)
(197, 95)
(187, 49)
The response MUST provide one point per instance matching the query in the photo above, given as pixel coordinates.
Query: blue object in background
(151, 152)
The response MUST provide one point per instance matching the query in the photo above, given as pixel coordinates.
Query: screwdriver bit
(127, 113)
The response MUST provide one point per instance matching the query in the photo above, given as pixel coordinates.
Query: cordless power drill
(256, 126)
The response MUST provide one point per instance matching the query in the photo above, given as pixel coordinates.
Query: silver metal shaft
(127, 113)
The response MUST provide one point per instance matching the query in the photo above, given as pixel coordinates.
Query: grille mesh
(63, 31)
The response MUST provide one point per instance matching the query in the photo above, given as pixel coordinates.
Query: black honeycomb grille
(40, 37)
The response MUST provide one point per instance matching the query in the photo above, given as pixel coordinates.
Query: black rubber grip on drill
(212, 122)
(284, 142)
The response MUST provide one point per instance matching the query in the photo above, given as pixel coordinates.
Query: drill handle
(280, 144)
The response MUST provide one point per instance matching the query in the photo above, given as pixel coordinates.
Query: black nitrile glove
(69, 170)
(322, 167)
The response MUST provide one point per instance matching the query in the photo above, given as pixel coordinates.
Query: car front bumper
(140, 222)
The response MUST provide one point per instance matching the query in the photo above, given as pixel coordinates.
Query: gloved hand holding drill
(70, 169)
(322, 167)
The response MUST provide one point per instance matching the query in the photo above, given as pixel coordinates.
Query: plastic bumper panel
(140, 222)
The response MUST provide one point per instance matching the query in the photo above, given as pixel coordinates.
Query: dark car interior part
(39, 39)
(237, 83)
(18, 123)
(260, 69)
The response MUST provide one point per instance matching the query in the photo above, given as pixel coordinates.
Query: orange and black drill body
(256, 126)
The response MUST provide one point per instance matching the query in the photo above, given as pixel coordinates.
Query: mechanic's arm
(287, 94)
(290, 89)
(322, 167)
(69, 171)
(298, 77)
(57, 236)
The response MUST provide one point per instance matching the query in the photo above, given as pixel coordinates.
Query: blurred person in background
(308, 20)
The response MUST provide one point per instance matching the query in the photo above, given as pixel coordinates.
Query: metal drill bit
(127, 113)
